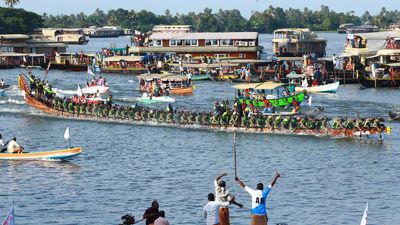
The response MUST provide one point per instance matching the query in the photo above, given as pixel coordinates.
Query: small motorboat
(153, 99)
(47, 155)
(394, 115)
(325, 88)
(93, 89)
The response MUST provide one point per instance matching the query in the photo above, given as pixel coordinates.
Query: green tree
(11, 3)
(14, 21)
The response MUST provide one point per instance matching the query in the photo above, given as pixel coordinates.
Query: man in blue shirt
(258, 200)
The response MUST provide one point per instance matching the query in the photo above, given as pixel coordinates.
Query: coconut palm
(11, 3)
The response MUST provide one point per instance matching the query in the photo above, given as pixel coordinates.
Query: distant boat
(325, 88)
(46, 155)
(147, 99)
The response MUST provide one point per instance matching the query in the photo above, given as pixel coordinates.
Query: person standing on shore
(259, 200)
(211, 210)
(161, 220)
(152, 213)
(223, 196)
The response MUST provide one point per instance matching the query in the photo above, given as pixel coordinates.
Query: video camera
(127, 219)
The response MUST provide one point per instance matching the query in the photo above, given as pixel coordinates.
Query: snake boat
(45, 155)
(131, 118)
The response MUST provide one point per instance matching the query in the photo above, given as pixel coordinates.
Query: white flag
(80, 92)
(309, 100)
(364, 218)
(66, 134)
(90, 72)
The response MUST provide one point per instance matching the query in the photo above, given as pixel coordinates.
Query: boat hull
(93, 90)
(201, 77)
(327, 88)
(379, 82)
(182, 91)
(70, 67)
(47, 155)
(278, 102)
(149, 100)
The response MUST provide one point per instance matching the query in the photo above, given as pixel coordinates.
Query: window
(212, 42)
(242, 56)
(226, 42)
(194, 43)
(187, 42)
(174, 42)
(220, 55)
(157, 43)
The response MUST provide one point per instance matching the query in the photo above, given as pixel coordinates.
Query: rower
(2, 82)
(14, 147)
(2, 148)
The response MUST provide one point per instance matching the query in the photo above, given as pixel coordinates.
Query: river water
(124, 167)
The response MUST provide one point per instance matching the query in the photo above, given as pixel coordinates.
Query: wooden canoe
(47, 155)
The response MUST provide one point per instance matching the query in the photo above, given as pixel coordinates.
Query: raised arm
(277, 175)
(240, 182)
(220, 176)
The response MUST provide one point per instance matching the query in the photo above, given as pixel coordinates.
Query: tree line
(265, 21)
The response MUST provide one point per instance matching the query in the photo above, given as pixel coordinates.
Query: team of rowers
(239, 115)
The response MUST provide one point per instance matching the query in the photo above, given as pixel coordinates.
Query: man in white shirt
(161, 220)
(259, 200)
(14, 147)
(211, 210)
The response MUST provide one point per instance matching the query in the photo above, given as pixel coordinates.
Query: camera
(127, 219)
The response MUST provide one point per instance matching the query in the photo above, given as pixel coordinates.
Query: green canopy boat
(276, 93)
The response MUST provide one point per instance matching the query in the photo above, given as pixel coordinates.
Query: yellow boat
(47, 155)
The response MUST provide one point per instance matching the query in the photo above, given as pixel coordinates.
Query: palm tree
(11, 3)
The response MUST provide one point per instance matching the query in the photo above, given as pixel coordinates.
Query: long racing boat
(135, 116)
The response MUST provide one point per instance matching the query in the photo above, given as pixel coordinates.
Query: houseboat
(67, 36)
(383, 69)
(350, 28)
(123, 64)
(21, 50)
(200, 45)
(367, 44)
(342, 29)
(176, 84)
(104, 32)
(297, 42)
(69, 61)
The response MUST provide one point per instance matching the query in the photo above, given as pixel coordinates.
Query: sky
(56, 7)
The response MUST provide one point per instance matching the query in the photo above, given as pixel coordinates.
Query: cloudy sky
(184, 6)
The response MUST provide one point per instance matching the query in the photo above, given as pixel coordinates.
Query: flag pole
(234, 152)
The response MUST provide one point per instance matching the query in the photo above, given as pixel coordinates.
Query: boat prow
(47, 155)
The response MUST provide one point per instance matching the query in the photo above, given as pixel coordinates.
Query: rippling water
(124, 167)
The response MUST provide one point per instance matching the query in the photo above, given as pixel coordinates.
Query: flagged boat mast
(67, 136)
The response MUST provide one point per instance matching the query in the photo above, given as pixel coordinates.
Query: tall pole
(234, 152)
